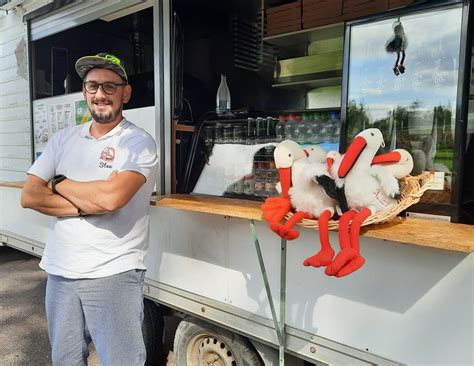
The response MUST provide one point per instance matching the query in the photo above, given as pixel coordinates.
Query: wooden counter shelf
(243, 209)
(12, 184)
(427, 233)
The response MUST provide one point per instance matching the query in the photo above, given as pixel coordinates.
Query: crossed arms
(75, 198)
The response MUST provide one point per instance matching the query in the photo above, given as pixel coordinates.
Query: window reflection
(414, 109)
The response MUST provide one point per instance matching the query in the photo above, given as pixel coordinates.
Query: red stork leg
(325, 255)
(358, 261)
(347, 253)
(286, 231)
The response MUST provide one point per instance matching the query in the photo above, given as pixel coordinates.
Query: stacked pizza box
(392, 4)
(284, 18)
(315, 13)
(321, 12)
(353, 9)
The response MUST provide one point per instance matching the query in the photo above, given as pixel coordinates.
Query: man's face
(106, 108)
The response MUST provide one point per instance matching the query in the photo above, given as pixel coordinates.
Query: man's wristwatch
(55, 181)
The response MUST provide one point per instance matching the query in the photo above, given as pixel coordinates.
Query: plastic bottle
(261, 130)
(335, 126)
(291, 128)
(223, 96)
(280, 129)
(315, 129)
(296, 133)
(305, 129)
(251, 131)
(271, 124)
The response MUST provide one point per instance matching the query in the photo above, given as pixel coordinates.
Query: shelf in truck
(310, 110)
(306, 35)
(309, 81)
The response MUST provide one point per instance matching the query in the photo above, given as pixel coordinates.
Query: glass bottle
(223, 96)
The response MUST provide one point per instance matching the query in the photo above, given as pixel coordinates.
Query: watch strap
(55, 181)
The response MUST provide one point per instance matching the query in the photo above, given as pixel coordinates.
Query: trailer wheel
(152, 333)
(198, 343)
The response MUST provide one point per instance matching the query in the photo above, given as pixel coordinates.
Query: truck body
(409, 304)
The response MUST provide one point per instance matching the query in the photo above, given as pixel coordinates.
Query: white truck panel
(408, 303)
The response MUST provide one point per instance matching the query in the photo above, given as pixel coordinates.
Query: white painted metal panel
(15, 164)
(15, 138)
(8, 61)
(14, 151)
(16, 86)
(9, 31)
(8, 74)
(13, 218)
(9, 44)
(12, 176)
(15, 113)
(75, 14)
(13, 125)
(408, 303)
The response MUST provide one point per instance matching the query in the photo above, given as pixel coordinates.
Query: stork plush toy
(368, 189)
(300, 173)
(399, 162)
(275, 208)
(307, 195)
(356, 185)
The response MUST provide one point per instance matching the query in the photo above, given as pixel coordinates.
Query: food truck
(219, 85)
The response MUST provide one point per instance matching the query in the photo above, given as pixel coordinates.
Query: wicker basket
(411, 190)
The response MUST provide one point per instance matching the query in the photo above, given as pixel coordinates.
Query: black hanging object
(398, 43)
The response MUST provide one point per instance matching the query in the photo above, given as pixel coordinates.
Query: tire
(152, 333)
(198, 343)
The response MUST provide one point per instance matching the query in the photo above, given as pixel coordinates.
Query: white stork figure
(399, 162)
(308, 196)
(368, 189)
(275, 208)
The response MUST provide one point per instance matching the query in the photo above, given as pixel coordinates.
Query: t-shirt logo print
(107, 156)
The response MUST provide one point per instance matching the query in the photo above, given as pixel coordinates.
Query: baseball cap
(102, 61)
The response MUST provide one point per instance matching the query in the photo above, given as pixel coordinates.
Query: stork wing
(329, 187)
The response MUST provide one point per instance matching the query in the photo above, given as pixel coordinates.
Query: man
(96, 180)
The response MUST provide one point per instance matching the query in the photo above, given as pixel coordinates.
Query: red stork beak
(285, 180)
(391, 157)
(306, 152)
(351, 156)
(329, 162)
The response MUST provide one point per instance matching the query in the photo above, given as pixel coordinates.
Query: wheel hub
(209, 350)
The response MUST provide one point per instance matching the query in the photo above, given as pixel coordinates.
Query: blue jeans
(108, 311)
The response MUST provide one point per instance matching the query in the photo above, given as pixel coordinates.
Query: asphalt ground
(23, 328)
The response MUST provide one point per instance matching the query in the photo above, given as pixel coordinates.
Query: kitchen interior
(249, 74)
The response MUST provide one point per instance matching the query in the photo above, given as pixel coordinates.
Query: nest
(411, 190)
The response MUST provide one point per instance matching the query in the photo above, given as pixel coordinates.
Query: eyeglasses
(108, 87)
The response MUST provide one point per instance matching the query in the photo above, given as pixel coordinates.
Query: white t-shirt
(99, 245)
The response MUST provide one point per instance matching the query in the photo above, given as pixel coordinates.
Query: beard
(104, 117)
